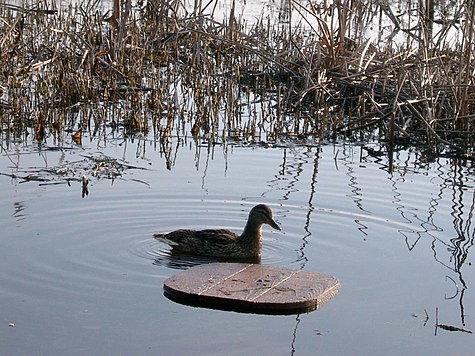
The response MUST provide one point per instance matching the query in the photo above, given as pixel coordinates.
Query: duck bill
(274, 225)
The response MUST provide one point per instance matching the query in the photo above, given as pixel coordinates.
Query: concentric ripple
(72, 266)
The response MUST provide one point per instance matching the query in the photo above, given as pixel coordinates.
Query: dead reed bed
(172, 69)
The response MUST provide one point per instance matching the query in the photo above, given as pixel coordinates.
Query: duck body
(223, 243)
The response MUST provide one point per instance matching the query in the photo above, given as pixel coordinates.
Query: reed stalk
(174, 70)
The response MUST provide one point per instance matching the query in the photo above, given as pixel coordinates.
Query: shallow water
(84, 275)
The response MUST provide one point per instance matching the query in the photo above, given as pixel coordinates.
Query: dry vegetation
(170, 69)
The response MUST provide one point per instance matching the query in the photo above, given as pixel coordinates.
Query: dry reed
(173, 70)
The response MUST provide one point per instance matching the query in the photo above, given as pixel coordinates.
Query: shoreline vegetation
(174, 70)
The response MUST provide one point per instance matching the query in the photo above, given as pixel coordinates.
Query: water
(84, 275)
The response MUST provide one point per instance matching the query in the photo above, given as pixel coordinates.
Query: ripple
(279, 248)
(202, 214)
(81, 256)
(160, 254)
(98, 246)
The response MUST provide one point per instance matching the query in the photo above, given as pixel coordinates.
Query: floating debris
(99, 167)
(85, 182)
(453, 328)
(77, 137)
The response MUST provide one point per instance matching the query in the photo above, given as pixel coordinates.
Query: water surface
(83, 275)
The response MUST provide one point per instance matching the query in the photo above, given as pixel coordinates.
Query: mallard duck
(223, 243)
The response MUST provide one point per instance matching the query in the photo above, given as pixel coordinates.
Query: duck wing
(216, 234)
(205, 242)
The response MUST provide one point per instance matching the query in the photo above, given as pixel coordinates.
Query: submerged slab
(251, 288)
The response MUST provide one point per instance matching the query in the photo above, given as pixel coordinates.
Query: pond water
(83, 275)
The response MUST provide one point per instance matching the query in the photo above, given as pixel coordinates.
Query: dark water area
(83, 275)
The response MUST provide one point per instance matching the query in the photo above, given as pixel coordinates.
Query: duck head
(262, 214)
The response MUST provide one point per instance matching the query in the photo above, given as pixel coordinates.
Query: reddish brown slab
(251, 287)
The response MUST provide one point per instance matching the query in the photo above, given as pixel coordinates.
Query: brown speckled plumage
(220, 242)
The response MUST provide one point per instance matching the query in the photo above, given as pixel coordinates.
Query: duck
(222, 243)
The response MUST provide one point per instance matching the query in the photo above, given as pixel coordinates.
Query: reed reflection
(288, 181)
(295, 167)
(453, 180)
(463, 207)
(19, 210)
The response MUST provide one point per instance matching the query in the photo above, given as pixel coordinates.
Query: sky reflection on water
(399, 244)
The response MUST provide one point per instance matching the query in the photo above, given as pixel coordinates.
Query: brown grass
(171, 70)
